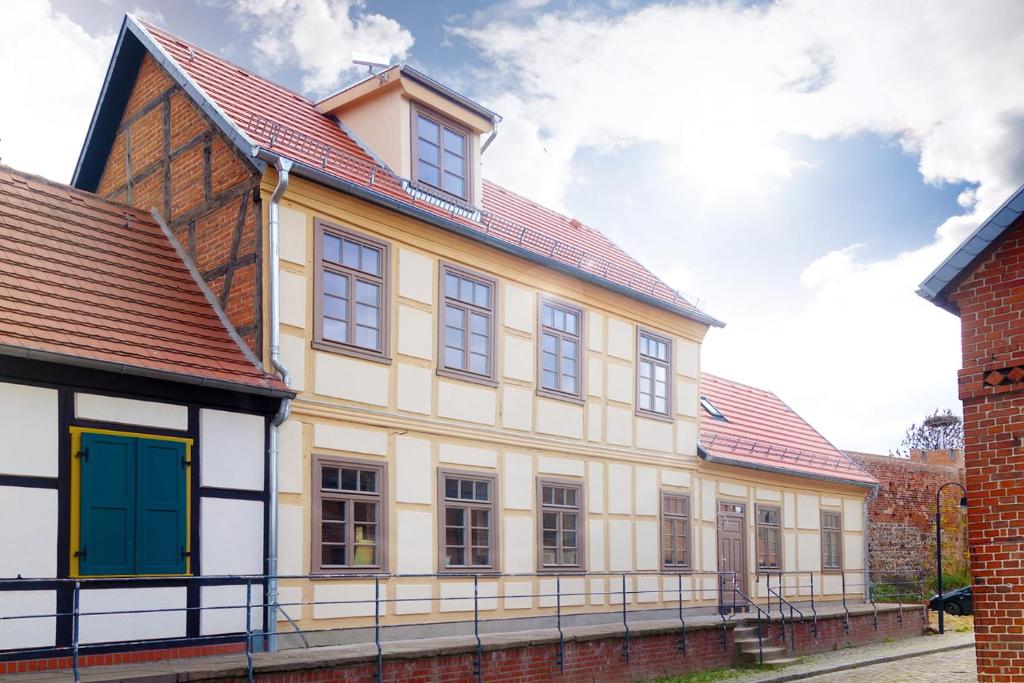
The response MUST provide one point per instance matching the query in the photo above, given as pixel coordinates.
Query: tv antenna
(371, 62)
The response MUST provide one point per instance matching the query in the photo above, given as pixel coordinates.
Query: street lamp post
(938, 544)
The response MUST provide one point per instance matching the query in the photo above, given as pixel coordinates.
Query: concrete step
(772, 655)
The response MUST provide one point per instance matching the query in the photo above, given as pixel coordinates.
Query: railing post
(558, 617)
(376, 628)
(74, 630)
(682, 622)
(846, 611)
(760, 641)
(478, 665)
(625, 624)
(814, 611)
(871, 597)
(248, 629)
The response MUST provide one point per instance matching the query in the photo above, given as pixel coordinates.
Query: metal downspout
(490, 139)
(864, 530)
(283, 166)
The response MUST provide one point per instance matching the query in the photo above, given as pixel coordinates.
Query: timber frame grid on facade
(383, 355)
(491, 378)
(494, 567)
(68, 381)
(383, 513)
(183, 225)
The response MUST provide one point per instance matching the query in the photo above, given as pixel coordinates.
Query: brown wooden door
(732, 551)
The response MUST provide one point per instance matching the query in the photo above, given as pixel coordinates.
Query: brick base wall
(652, 656)
(114, 658)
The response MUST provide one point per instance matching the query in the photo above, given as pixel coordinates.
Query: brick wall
(167, 155)
(652, 656)
(901, 518)
(991, 305)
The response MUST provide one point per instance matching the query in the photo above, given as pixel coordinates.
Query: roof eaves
(448, 93)
(937, 286)
(719, 460)
(324, 178)
(124, 369)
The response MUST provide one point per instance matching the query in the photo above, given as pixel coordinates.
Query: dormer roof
(264, 120)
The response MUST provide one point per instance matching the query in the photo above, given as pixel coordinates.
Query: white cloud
(721, 86)
(321, 37)
(51, 71)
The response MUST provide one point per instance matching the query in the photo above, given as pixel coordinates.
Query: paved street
(956, 666)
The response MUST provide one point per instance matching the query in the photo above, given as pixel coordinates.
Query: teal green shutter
(161, 508)
(107, 529)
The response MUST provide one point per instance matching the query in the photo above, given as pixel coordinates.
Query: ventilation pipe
(283, 167)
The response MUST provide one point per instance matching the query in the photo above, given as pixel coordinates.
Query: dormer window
(441, 153)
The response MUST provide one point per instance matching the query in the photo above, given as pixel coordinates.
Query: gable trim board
(108, 111)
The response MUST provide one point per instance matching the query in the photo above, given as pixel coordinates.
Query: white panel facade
(348, 600)
(413, 480)
(519, 543)
(646, 491)
(129, 411)
(467, 455)
(106, 628)
(351, 379)
(290, 472)
(469, 403)
(415, 542)
(233, 448)
(620, 488)
(341, 438)
(215, 621)
(232, 533)
(29, 424)
(620, 545)
(413, 598)
(518, 481)
(415, 276)
(290, 541)
(24, 633)
(28, 535)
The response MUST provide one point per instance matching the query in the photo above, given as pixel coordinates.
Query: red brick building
(982, 282)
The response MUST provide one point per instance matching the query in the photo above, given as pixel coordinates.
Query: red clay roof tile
(761, 430)
(84, 277)
(289, 124)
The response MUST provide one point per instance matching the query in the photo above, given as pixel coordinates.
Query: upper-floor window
(351, 292)
(675, 531)
(561, 344)
(467, 328)
(654, 368)
(441, 154)
(769, 538)
(467, 521)
(349, 515)
(831, 540)
(561, 525)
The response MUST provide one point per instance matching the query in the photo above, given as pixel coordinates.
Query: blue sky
(797, 166)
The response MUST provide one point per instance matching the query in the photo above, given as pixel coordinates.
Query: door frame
(741, 574)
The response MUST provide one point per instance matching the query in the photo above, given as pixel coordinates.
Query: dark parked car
(957, 601)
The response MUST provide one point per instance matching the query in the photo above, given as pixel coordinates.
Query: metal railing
(674, 589)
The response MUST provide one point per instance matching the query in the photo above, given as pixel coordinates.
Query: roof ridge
(704, 373)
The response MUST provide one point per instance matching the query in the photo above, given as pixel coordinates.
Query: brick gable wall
(991, 305)
(901, 518)
(167, 155)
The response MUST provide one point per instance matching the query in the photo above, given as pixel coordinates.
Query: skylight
(714, 412)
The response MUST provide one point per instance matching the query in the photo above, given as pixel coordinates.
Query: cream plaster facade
(401, 412)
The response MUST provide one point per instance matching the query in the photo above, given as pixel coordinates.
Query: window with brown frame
(467, 520)
(467, 326)
(441, 153)
(561, 344)
(654, 370)
(561, 530)
(769, 538)
(675, 531)
(351, 306)
(349, 519)
(831, 540)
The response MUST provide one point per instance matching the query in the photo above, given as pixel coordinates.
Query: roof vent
(575, 222)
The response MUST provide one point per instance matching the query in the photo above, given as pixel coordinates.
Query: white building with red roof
(482, 386)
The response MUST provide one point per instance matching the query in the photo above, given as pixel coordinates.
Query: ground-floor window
(769, 538)
(131, 512)
(349, 514)
(561, 515)
(675, 531)
(467, 520)
(831, 540)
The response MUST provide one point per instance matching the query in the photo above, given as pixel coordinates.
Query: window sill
(467, 377)
(348, 570)
(352, 351)
(469, 571)
(559, 396)
(661, 417)
(579, 571)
